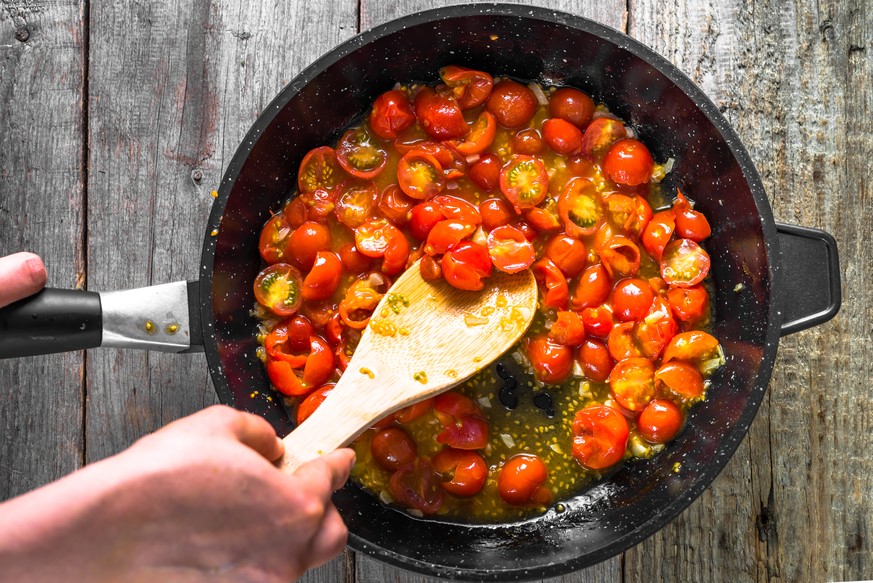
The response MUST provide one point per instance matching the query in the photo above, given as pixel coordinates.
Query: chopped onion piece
(538, 93)
(507, 439)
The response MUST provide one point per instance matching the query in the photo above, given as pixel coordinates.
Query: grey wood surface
(118, 119)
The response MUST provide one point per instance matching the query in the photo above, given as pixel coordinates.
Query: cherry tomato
(317, 368)
(360, 300)
(562, 136)
(320, 169)
(658, 232)
(580, 208)
(571, 105)
(600, 135)
(681, 378)
(324, 277)
(695, 346)
(305, 242)
(690, 224)
(414, 411)
(353, 260)
(417, 485)
(527, 142)
(481, 135)
(568, 329)
(656, 329)
(274, 239)
(544, 218)
(392, 448)
(495, 212)
(689, 304)
(359, 155)
(458, 209)
(630, 214)
(660, 421)
(439, 115)
(333, 330)
(524, 181)
(631, 299)
(308, 405)
(372, 237)
(277, 288)
(345, 350)
(525, 227)
(288, 338)
(621, 342)
(600, 437)
(521, 481)
(512, 104)
(549, 276)
(595, 360)
(453, 164)
(391, 114)
(422, 219)
(319, 204)
(464, 472)
(598, 321)
(355, 202)
(430, 268)
(395, 205)
(591, 289)
(552, 362)
(567, 253)
(466, 266)
(295, 212)
(445, 236)
(629, 162)
(469, 87)
(620, 256)
(464, 425)
(632, 383)
(581, 165)
(420, 175)
(319, 313)
(396, 255)
(509, 249)
(684, 263)
(486, 172)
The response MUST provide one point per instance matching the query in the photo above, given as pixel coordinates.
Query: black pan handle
(809, 278)
(164, 317)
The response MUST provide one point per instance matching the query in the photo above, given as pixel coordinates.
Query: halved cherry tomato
(396, 255)
(391, 114)
(580, 208)
(632, 383)
(512, 104)
(439, 116)
(464, 425)
(524, 181)
(695, 346)
(544, 218)
(395, 205)
(458, 209)
(552, 362)
(422, 219)
(372, 237)
(567, 253)
(305, 242)
(690, 304)
(277, 288)
(274, 239)
(684, 263)
(629, 162)
(359, 155)
(318, 366)
(430, 268)
(658, 232)
(522, 481)
(656, 329)
(631, 299)
(469, 87)
(353, 260)
(600, 135)
(466, 266)
(454, 165)
(509, 249)
(414, 411)
(690, 224)
(355, 202)
(393, 447)
(621, 342)
(595, 360)
(495, 212)
(464, 472)
(562, 136)
(681, 378)
(324, 277)
(592, 288)
(320, 169)
(420, 175)
(549, 276)
(481, 135)
(620, 256)
(289, 338)
(486, 172)
(417, 485)
(660, 421)
(528, 142)
(630, 214)
(319, 204)
(361, 299)
(598, 321)
(308, 405)
(600, 437)
(445, 236)
(571, 105)
(568, 329)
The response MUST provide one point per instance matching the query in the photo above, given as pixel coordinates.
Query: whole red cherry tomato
(600, 437)
(591, 289)
(512, 104)
(417, 485)
(631, 299)
(439, 116)
(393, 447)
(598, 321)
(521, 481)
(464, 472)
(595, 360)
(486, 172)
(353, 260)
(495, 212)
(629, 162)
(660, 421)
(466, 266)
(552, 362)
(562, 136)
(528, 142)
(423, 217)
(568, 329)
(306, 241)
(571, 105)
(391, 114)
(324, 277)
(277, 288)
(568, 253)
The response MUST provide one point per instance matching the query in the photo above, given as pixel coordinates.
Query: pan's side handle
(809, 278)
(164, 317)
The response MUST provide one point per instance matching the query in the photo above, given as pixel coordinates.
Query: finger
(251, 430)
(329, 540)
(21, 275)
(328, 473)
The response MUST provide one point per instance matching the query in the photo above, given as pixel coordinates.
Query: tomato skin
(598, 321)
(317, 368)
(466, 266)
(495, 212)
(571, 105)
(690, 224)
(464, 472)
(631, 299)
(481, 135)
(439, 116)
(591, 289)
(658, 232)
(600, 437)
(552, 362)
(420, 175)
(353, 260)
(445, 236)
(568, 329)
(512, 104)
(464, 426)
(469, 86)
(509, 249)
(660, 421)
(320, 169)
(599, 136)
(417, 485)
(620, 256)
(684, 263)
(359, 156)
(391, 114)
(305, 243)
(595, 360)
(562, 136)
(544, 218)
(521, 481)
(395, 205)
(324, 277)
(277, 288)
(632, 383)
(580, 208)
(393, 447)
(681, 378)
(524, 181)
(629, 162)
(567, 253)
(549, 276)
(621, 342)
(689, 304)
(274, 239)
(486, 172)
(630, 214)
(656, 329)
(308, 405)
(528, 142)
(414, 411)
(355, 202)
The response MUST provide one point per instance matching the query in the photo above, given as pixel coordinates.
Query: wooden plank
(794, 503)
(41, 210)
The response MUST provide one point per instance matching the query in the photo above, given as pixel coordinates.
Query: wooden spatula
(424, 338)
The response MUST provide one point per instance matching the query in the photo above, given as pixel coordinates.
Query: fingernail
(354, 457)
(36, 268)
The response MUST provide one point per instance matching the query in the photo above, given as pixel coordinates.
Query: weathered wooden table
(118, 118)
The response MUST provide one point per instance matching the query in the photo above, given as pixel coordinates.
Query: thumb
(21, 275)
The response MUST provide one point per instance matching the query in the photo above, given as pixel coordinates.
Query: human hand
(21, 275)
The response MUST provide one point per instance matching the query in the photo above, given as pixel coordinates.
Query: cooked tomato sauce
(472, 175)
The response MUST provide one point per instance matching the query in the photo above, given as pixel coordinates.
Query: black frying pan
(769, 279)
